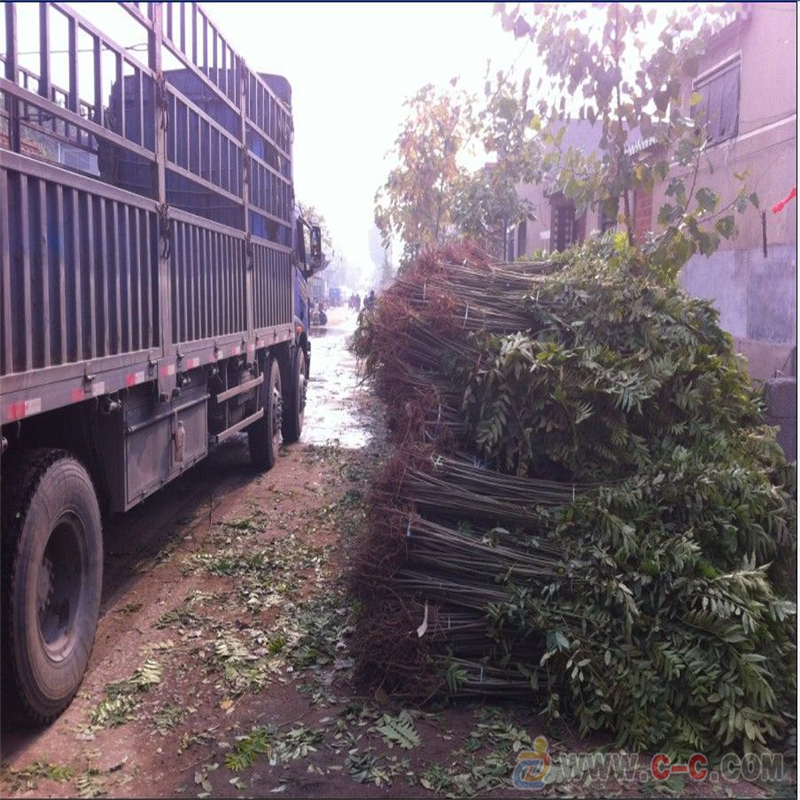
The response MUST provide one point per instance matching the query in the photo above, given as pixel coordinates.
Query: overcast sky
(351, 66)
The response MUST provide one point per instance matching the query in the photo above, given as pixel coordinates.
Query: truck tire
(52, 580)
(294, 411)
(264, 435)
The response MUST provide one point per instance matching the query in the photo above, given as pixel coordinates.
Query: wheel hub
(277, 411)
(44, 593)
(301, 394)
(60, 587)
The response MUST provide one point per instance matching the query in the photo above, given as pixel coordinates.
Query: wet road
(334, 386)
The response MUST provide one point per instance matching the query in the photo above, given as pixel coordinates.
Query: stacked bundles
(583, 505)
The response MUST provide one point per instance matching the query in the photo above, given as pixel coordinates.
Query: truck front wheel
(53, 574)
(294, 411)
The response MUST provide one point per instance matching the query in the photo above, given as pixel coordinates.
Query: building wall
(755, 293)
(765, 146)
(584, 136)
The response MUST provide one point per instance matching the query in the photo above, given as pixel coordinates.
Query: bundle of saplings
(584, 506)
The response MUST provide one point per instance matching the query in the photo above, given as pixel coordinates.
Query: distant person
(358, 302)
(369, 303)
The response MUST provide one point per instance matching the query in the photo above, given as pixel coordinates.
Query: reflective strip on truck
(134, 378)
(24, 408)
(80, 393)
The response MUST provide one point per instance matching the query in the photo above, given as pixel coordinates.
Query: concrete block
(765, 360)
(787, 438)
(781, 397)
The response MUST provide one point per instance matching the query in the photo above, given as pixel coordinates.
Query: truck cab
(307, 240)
(308, 261)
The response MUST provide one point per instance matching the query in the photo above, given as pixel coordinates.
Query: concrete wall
(754, 295)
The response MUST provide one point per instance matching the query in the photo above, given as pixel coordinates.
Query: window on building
(522, 238)
(718, 111)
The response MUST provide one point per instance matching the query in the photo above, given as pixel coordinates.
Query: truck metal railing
(272, 278)
(208, 274)
(149, 197)
(84, 282)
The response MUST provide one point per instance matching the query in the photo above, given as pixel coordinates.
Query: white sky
(351, 66)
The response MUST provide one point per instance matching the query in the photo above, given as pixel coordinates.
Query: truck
(153, 296)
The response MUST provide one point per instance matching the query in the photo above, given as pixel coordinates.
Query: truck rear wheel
(294, 411)
(264, 435)
(53, 573)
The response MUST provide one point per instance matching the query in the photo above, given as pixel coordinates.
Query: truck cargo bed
(145, 230)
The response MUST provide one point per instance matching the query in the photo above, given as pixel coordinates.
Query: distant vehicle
(318, 287)
(319, 317)
(154, 301)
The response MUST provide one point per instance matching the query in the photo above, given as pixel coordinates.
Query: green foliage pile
(649, 601)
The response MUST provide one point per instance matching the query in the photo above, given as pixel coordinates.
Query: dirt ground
(222, 665)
